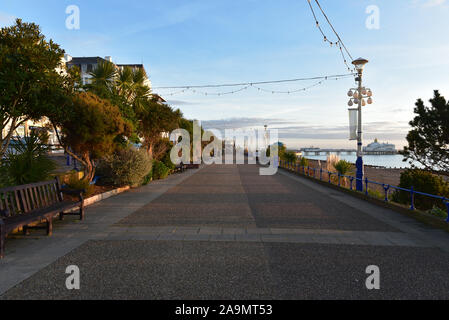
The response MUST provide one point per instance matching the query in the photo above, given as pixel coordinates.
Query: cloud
(175, 103)
(6, 19)
(429, 3)
(236, 123)
(174, 16)
(288, 129)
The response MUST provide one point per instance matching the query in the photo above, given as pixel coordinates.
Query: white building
(88, 64)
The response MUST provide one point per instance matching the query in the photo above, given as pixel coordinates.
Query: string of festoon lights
(248, 85)
(339, 44)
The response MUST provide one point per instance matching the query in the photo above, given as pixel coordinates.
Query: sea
(387, 161)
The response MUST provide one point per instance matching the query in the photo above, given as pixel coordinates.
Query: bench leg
(82, 212)
(2, 239)
(61, 215)
(49, 226)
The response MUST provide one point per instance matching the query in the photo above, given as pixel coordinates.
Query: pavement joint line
(407, 225)
(29, 257)
(97, 226)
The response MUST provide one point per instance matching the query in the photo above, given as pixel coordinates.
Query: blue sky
(220, 41)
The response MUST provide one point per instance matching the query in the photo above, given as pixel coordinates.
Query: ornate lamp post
(358, 97)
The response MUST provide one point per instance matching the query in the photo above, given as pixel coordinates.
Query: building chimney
(109, 58)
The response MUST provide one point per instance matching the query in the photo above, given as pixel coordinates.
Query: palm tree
(103, 78)
(130, 84)
(124, 80)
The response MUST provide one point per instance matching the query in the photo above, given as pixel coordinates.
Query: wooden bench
(35, 202)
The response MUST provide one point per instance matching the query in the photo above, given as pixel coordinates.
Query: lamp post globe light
(358, 97)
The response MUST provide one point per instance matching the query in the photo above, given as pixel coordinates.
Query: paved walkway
(224, 232)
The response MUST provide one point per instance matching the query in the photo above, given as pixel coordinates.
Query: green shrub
(77, 184)
(167, 161)
(343, 167)
(160, 170)
(304, 162)
(128, 166)
(28, 162)
(438, 212)
(147, 179)
(376, 194)
(289, 156)
(422, 181)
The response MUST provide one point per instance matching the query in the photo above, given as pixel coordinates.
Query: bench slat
(44, 194)
(52, 193)
(23, 200)
(39, 197)
(32, 201)
(10, 203)
(17, 201)
(29, 198)
(55, 193)
(29, 185)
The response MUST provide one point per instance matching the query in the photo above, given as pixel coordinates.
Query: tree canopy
(91, 129)
(29, 67)
(428, 141)
(154, 119)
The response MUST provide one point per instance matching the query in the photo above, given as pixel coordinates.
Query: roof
(85, 60)
(139, 66)
(131, 65)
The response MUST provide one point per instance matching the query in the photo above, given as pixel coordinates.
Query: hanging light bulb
(350, 94)
(370, 100)
(364, 91)
(370, 93)
(356, 101)
(350, 103)
(356, 95)
(363, 102)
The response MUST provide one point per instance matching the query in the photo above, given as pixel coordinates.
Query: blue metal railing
(306, 170)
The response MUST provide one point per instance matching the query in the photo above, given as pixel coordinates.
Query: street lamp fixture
(360, 64)
(358, 96)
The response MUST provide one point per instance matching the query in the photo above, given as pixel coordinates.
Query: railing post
(366, 186)
(351, 179)
(386, 188)
(339, 179)
(446, 202)
(329, 174)
(321, 174)
(412, 199)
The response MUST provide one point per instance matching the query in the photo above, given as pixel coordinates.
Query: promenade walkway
(224, 232)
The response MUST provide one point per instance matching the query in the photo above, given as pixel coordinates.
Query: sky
(232, 41)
